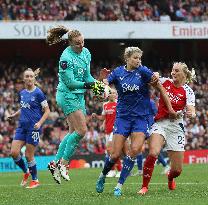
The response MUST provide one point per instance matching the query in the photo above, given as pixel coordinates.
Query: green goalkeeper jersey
(74, 70)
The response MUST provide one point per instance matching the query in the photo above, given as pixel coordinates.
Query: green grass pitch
(192, 189)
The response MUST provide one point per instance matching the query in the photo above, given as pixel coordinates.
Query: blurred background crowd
(104, 10)
(94, 142)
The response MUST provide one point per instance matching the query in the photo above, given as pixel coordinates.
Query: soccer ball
(104, 95)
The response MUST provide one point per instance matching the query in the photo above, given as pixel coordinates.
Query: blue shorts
(126, 126)
(30, 136)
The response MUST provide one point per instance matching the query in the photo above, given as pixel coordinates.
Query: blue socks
(128, 165)
(21, 163)
(33, 169)
(140, 161)
(108, 165)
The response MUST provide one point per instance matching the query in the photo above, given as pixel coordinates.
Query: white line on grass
(181, 183)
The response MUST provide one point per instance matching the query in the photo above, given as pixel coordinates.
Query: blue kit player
(32, 114)
(132, 84)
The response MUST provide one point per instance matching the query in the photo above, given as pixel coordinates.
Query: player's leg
(175, 143)
(52, 166)
(139, 160)
(176, 160)
(155, 145)
(118, 143)
(15, 153)
(109, 144)
(29, 154)
(17, 144)
(78, 122)
(164, 164)
(137, 141)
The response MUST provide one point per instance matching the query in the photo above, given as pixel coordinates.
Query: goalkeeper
(74, 78)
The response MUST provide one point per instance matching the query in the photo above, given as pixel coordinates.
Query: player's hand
(154, 79)
(105, 81)
(190, 114)
(37, 125)
(173, 115)
(94, 115)
(9, 118)
(103, 73)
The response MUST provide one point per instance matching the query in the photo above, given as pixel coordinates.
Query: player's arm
(87, 75)
(190, 104)
(46, 112)
(67, 75)
(99, 117)
(166, 99)
(16, 114)
(190, 111)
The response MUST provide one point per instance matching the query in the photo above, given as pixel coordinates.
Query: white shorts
(173, 133)
(109, 137)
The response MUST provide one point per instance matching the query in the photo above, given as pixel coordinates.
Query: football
(104, 95)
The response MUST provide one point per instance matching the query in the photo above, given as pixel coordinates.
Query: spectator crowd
(104, 10)
(94, 142)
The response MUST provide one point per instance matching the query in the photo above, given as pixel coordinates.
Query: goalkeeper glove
(97, 87)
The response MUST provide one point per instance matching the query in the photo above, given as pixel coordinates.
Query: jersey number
(180, 140)
(35, 136)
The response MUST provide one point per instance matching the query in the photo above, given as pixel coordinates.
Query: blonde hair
(36, 74)
(130, 51)
(190, 75)
(55, 35)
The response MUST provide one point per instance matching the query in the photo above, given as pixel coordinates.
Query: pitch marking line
(181, 183)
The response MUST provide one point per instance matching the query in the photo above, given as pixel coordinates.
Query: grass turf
(192, 189)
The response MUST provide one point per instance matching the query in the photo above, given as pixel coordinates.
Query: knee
(29, 157)
(134, 151)
(154, 152)
(14, 154)
(115, 156)
(82, 131)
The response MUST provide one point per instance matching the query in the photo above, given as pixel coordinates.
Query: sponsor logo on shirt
(24, 105)
(127, 87)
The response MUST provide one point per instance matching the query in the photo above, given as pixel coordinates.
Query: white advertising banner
(108, 30)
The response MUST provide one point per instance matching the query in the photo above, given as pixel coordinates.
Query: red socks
(118, 165)
(148, 170)
(173, 174)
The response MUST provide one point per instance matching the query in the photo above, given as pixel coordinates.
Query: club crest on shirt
(63, 64)
(33, 98)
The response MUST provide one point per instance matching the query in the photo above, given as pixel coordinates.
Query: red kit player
(171, 132)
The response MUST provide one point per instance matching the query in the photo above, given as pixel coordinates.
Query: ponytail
(55, 35)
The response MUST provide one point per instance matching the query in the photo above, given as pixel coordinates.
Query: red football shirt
(180, 97)
(109, 111)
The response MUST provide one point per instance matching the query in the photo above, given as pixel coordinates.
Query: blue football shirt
(31, 107)
(133, 90)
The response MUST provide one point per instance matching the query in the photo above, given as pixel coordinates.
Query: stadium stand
(97, 10)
